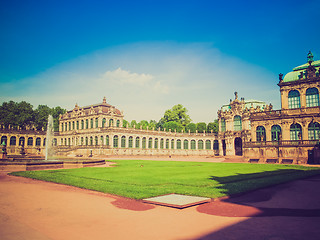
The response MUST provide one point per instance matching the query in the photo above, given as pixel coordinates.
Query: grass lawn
(140, 179)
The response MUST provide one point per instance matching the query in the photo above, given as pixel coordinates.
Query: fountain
(49, 139)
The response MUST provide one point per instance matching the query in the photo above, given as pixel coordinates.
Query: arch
(178, 144)
(223, 125)
(193, 144)
(172, 143)
(295, 131)
(312, 97)
(118, 123)
(216, 146)
(91, 141)
(167, 143)
(123, 141)
(144, 140)
(21, 141)
(81, 142)
(104, 122)
(96, 140)
(185, 144)
(77, 125)
(13, 141)
(82, 124)
(38, 141)
(115, 141)
(161, 143)
(86, 141)
(137, 142)
(87, 123)
(261, 134)
(111, 122)
(130, 142)
(156, 143)
(275, 133)
(102, 140)
(150, 143)
(200, 144)
(208, 144)
(313, 130)
(237, 123)
(107, 140)
(91, 123)
(30, 141)
(4, 139)
(238, 146)
(294, 99)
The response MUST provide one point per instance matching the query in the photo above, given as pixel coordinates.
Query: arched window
(87, 123)
(13, 141)
(178, 144)
(237, 123)
(275, 133)
(91, 141)
(21, 141)
(115, 141)
(150, 143)
(200, 144)
(81, 140)
(86, 141)
(73, 125)
(91, 123)
(313, 131)
(312, 97)
(118, 123)
(61, 127)
(144, 142)
(66, 126)
(294, 99)
(167, 143)
(295, 132)
(69, 126)
(82, 124)
(4, 140)
(123, 141)
(77, 125)
(193, 144)
(261, 134)
(215, 145)
(38, 141)
(101, 139)
(137, 142)
(185, 144)
(172, 143)
(97, 122)
(96, 140)
(208, 144)
(223, 125)
(156, 143)
(103, 122)
(130, 142)
(30, 141)
(161, 143)
(107, 140)
(111, 123)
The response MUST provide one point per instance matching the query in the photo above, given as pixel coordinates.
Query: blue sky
(146, 56)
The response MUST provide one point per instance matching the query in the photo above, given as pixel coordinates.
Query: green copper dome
(297, 71)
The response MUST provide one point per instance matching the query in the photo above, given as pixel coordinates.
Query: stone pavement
(31, 209)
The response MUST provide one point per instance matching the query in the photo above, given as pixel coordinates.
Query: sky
(147, 56)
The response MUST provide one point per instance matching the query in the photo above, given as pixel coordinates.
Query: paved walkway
(32, 209)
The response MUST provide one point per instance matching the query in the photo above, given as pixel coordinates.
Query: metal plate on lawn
(177, 200)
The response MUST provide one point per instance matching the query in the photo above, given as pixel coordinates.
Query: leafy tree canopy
(174, 126)
(214, 126)
(201, 127)
(192, 127)
(178, 114)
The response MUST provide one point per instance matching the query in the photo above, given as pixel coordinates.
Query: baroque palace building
(248, 128)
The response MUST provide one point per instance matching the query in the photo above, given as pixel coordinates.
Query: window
(107, 140)
(161, 143)
(294, 99)
(21, 141)
(4, 139)
(123, 141)
(275, 133)
(167, 144)
(200, 144)
(97, 122)
(178, 144)
(156, 143)
(295, 132)
(30, 141)
(118, 123)
(77, 125)
(150, 143)
(96, 140)
(38, 141)
(103, 122)
(115, 141)
(130, 142)
(66, 126)
(185, 144)
(144, 142)
(312, 97)
(261, 134)
(91, 141)
(111, 123)
(13, 141)
(82, 124)
(172, 143)
(215, 145)
(313, 131)
(101, 139)
(61, 127)
(237, 123)
(208, 144)
(91, 123)
(81, 140)
(223, 125)
(69, 126)
(73, 126)
(87, 141)
(137, 142)
(87, 123)
(193, 144)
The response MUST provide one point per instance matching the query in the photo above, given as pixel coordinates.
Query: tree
(41, 117)
(173, 126)
(192, 127)
(125, 123)
(214, 126)
(178, 114)
(56, 112)
(133, 124)
(201, 127)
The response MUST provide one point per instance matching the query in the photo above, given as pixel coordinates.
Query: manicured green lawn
(141, 179)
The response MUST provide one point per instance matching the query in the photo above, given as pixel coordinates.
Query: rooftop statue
(310, 57)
